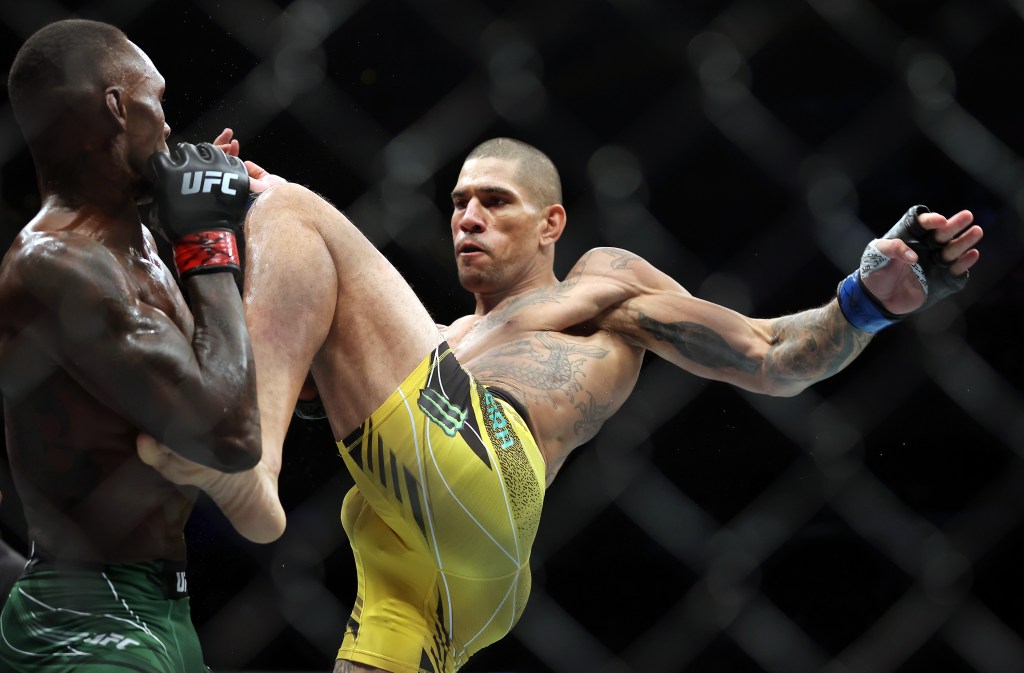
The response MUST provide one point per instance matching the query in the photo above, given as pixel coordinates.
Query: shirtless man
(452, 434)
(97, 344)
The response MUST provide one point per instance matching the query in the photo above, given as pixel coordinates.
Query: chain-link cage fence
(750, 149)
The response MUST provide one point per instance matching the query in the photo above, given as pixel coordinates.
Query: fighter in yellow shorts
(448, 479)
(448, 495)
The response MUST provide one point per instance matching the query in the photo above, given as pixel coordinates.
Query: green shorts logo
(441, 411)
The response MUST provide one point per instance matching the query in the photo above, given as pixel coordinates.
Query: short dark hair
(536, 172)
(45, 61)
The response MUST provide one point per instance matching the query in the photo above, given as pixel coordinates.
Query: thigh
(319, 295)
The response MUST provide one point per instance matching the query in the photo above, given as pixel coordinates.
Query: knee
(287, 198)
(293, 205)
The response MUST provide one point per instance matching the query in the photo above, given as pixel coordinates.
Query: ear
(117, 111)
(553, 224)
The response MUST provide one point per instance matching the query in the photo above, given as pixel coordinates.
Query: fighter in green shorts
(98, 346)
(100, 619)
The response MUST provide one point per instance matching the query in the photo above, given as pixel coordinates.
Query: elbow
(238, 452)
(237, 443)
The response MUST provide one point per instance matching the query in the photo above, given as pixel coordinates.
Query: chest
(158, 288)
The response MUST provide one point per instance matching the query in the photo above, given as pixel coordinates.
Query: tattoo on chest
(620, 259)
(545, 295)
(543, 365)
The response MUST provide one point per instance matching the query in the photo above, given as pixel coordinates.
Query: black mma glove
(864, 310)
(200, 196)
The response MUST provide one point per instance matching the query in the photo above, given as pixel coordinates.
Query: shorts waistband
(516, 405)
(171, 574)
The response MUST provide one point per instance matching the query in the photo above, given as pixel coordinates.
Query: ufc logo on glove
(191, 181)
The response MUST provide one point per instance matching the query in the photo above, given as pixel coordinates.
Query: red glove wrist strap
(206, 251)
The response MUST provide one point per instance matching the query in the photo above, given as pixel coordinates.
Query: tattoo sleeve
(699, 344)
(812, 345)
(805, 347)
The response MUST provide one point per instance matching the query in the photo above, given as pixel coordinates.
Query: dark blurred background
(750, 149)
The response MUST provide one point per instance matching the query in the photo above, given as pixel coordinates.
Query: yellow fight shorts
(448, 496)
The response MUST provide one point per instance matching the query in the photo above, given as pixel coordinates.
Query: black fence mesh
(750, 149)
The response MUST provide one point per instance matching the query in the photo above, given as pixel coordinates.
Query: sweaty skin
(97, 343)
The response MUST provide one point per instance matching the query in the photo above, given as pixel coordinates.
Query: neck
(488, 301)
(113, 221)
(88, 179)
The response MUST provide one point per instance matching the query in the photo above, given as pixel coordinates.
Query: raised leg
(319, 295)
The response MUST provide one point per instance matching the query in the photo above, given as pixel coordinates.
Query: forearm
(227, 375)
(218, 378)
(807, 347)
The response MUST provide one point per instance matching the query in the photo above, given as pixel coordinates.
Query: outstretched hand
(895, 282)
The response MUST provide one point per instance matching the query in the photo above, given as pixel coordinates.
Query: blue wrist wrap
(858, 307)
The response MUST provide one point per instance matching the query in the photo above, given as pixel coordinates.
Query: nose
(167, 130)
(472, 219)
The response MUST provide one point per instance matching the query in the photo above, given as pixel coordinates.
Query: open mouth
(467, 249)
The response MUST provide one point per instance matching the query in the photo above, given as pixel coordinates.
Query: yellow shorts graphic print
(448, 495)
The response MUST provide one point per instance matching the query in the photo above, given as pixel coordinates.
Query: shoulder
(602, 260)
(52, 264)
(620, 266)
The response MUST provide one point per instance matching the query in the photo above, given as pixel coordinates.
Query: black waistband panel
(170, 574)
(513, 402)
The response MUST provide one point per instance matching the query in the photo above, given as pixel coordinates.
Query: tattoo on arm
(813, 345)
(808, 346)
(620, 259)
(700, 344)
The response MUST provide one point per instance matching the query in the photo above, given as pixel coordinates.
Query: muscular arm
(779, 356)
(197, 395)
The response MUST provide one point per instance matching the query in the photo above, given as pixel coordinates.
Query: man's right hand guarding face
(200, 196)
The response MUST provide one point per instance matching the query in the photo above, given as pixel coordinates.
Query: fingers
(895, 248)
(226, 143)
(965, 262)
(224, 137)
(260, 179)
(150, 451)
(958, 237)
(255, 170)
(946, 229)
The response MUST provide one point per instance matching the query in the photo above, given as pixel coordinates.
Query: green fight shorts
(86, 618)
